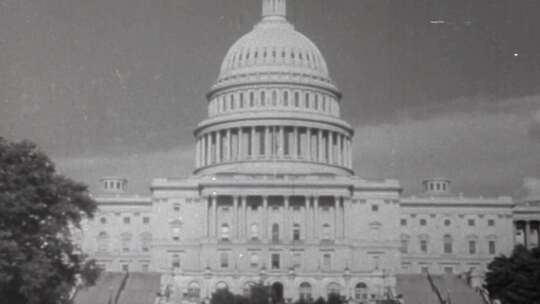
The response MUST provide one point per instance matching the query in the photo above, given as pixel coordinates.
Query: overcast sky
(433, 87)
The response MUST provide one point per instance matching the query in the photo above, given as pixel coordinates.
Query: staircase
(417, 289)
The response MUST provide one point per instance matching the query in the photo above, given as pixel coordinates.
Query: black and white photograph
(270, 151)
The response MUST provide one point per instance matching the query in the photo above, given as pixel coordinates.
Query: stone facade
(274, 199)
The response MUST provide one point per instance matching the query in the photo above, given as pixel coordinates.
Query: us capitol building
(274, 198)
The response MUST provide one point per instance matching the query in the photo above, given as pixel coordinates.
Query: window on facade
(296, 232)
(251, 99)
(424, 246)
(305, 291)
(327, 261)
(374, 208)
(125, 267)
(403, 222)
(126, 241)
(103, 242)
(297, 260)
(176, 207)
(333, 288)
(103, 220)
(175, 261)
(404, 245)
(224, 260)
(492, 247)
(225, 231)
(472, 247)
(275, 233)
(424, 269)
(326, 232)
(447, 222)
(286, 98)
(274, 98)
(146, 220)
(423, 222)
(361, 291)
(471, 222)
(296, 99)
(263, 98)
(275, 261)
(222, 286)
(146, 238)
(491, 222)
(144, 268)
(127, 220)
(448, 270)
(254, 260)
(254, 232)
(447, 244)
(194, 291)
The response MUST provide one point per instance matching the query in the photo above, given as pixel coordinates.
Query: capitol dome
(275, 51)
(274, 108)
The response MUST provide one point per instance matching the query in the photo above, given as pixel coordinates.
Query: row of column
(274, 142)
(311, 224)
(529, 231)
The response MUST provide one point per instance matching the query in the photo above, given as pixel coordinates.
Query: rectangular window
(224, 260)
(491, 222)
(146, 220)
(471, 222)
(374, 208)
(297, 260)
(472, 247)
(423, 246)
(448, 270)
(254, 260)
(424, 269)
(404, 246)
(127, 220)
(403, 222)
(125, 267)
(275, 261)
(327, 261)
(144, 267)
(492, 247)
(423, 222)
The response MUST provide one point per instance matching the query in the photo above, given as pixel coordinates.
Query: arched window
(448, 244)
(307, 100)
(251, 99)
(194, 291)
(333, 288)
(326, 232)
(246, 290)
(286, 99)
(274, 98)
(103, 242)
(222, 285)
(296, 232)
(275, 233)
(361, 291)
(305, 291)
(263, 98)
(241, 100)
(126, 241)
(225, 231)
(296, 99)
(254, 232)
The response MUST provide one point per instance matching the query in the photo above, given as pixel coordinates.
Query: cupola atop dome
(274, 8)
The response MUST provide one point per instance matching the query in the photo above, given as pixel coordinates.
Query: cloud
(532, 186)
(139, 169)
(482, 152)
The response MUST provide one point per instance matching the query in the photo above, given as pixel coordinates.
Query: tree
(223, 296)
(39, 264)
(515, 279)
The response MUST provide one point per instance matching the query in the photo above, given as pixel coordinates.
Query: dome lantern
(274, 8)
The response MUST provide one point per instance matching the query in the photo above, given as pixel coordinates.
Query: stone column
(253, 146)
(205, 215)
(294, 144)
(330, 147)
(347, 213)
(336, 218)
(218, 147)
(340, 149)
(244, 221)
(240, 144)
(286, 224)
(320, 145)
(267, 143)
(316, 223)
(236, 228)
(208, 149)
(281, 141)
(229, 145)
(265, 218)
(308, 144)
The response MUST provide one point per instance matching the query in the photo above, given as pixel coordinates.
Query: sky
(432, 87)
